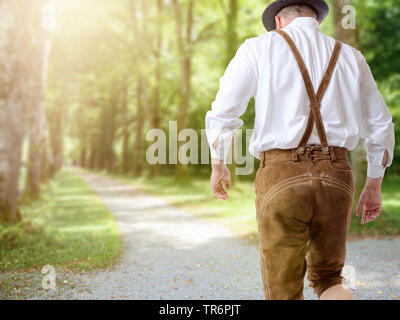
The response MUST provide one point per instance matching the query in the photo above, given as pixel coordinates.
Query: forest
(84, 83)
(83, 86)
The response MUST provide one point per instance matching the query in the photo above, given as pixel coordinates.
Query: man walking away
(315, 97)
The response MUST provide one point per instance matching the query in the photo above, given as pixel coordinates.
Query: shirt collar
(305, 21)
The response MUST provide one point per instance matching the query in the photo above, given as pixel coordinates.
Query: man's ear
(278, 23)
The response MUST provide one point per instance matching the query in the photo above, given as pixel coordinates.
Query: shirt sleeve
(237, 86)
(377, 127)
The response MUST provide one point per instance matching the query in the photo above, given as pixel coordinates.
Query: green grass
(68, 227)
(388, 223)
(238, 212)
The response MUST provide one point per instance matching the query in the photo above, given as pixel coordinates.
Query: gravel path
(171, 254)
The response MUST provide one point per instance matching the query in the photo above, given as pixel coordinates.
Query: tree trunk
(231, 30)
(185, 47)
(14, 62)
(351, 37)
(184, 106)
(82, 158)
(155, 119)
(57, 141)
(93, 158)
(110, 156)
(38, 134)
(125, 132)
(140, 118)
(140, 14)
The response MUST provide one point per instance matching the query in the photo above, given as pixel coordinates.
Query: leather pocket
(341, 165)
(256, 182)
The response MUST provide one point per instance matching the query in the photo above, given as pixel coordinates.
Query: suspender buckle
(297, 152)
(300, 150)
(325, 150)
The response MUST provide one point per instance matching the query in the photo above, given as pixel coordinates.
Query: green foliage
(69, 227)
(24, 233)
(390, 89)
(95, 65)
(379, 24)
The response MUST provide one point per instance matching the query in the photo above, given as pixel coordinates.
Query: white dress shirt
(264, 67)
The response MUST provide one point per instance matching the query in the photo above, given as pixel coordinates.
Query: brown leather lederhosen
(304, 199)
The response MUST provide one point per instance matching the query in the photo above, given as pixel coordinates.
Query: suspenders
(315, 98)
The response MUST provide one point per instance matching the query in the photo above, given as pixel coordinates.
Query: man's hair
(297, 10)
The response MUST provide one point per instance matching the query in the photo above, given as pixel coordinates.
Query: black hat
(268, 17)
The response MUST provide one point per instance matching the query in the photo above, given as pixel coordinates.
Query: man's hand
(370, 200)
(219, 174)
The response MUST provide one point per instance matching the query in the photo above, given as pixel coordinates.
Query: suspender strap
(315, 99)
